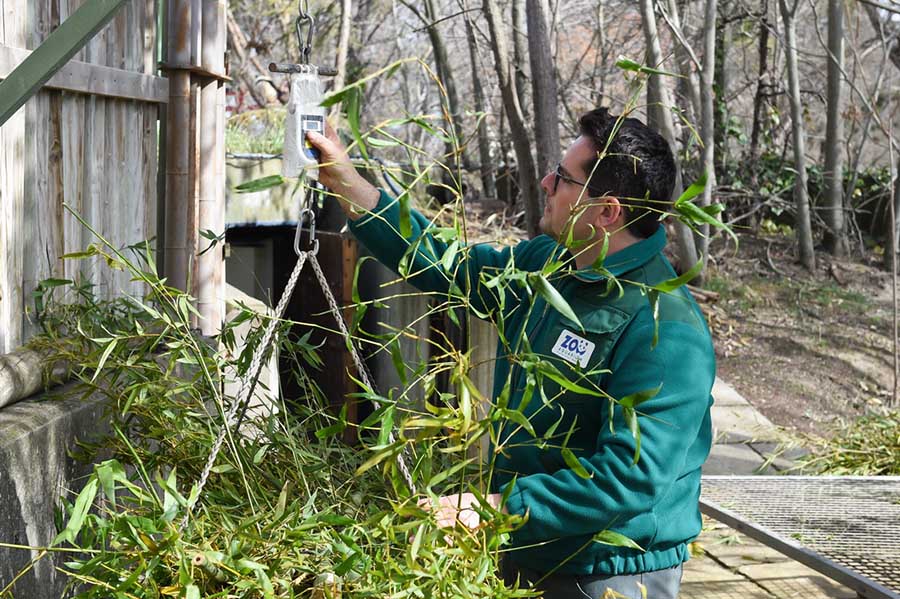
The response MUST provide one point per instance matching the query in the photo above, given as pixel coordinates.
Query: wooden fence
(87, 140)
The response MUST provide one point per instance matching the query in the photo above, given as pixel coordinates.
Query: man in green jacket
(589, 464)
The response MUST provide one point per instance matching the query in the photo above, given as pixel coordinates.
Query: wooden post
(210, 259)
(22, 375)
(178, 142)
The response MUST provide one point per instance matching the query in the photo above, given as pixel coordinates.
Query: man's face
(569, 204)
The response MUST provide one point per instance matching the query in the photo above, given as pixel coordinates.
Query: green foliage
(869, 446)
(256, 131)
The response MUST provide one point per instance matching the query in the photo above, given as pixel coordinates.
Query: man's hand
(453, 509)
(336, 172)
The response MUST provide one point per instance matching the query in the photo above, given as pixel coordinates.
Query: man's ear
(608, 212)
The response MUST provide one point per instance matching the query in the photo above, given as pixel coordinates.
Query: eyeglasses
(558, 174)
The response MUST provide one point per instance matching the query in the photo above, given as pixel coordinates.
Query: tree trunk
(444, 72)
(340, 63)
(249, 68)
(802, 224)
(835, 241)
(707, 117)
(528, 183)
(488, 177)
(520, 53)
(687, 251)
(689, 83)
(892, 226)
(543, 87)
(723, 43)
(762, 82)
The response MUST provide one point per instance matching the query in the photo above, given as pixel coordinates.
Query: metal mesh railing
(846, 527)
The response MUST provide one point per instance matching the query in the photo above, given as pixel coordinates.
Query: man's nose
(547, 183)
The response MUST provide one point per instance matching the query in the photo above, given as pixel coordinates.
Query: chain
(360, 365)
(248, 384)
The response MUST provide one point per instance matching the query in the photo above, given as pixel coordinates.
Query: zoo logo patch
(573, 348)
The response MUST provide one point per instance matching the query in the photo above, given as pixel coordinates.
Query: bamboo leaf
(351, 106)
(695, 189)
(104, 357)
(608, 537)
(79, 512)
(449, 256)
(673, 284)
(405, 222)
(636, 399)
(653, 298)
(520, 419)
(626, 64)
(260, 184)
(632, 422)
(575, 464)
(540, 284)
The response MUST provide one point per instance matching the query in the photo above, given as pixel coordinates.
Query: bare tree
(488, 177)
(801, 199)
(707, 116)
(890, 31)
(443, 67)
(250, 72)
(520, 52)
(689, 84)
(834, 132)
(759, 97)
(528, 183)
(662, 119)
(340, 63)
(543, 86)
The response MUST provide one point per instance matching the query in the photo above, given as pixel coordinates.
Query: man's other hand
(453, 509)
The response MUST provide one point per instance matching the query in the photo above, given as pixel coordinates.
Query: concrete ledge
(36, 470)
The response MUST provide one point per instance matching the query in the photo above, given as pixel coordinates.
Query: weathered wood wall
(94, 153)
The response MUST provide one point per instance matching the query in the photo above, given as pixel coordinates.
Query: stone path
(727, 564)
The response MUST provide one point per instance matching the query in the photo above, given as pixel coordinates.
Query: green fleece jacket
(618, 350)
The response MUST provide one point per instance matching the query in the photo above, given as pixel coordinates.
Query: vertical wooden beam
(12, 193)
(210, 259)
(178, 142)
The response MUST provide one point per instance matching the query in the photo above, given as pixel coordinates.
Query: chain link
(248, 384)
(360, 365)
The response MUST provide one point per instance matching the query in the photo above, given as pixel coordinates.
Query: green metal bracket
(61, 45)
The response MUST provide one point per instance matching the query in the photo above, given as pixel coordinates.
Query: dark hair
(638, 167)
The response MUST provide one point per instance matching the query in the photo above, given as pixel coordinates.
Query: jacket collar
(634, 256)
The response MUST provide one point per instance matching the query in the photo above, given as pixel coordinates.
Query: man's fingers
(323, 144)
(331, 134)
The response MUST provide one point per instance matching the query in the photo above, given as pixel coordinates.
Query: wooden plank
(72, 160)
(112, 192)
(12, 192)
(87, 78)
(148, 26)
(94, 169)
(47, 58)
(149, 173)
(134, 167)
(39, 223)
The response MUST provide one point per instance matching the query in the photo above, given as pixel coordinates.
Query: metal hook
(305, 48)
(298, 236)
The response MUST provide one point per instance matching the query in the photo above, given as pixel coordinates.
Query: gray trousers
(660, 584)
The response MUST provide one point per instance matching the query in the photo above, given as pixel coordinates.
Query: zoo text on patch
(573, 348)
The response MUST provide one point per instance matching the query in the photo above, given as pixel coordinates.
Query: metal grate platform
(846, 527)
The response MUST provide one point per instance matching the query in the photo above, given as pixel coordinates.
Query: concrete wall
(36, 437)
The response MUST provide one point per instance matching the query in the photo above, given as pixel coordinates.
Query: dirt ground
(809, 351)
